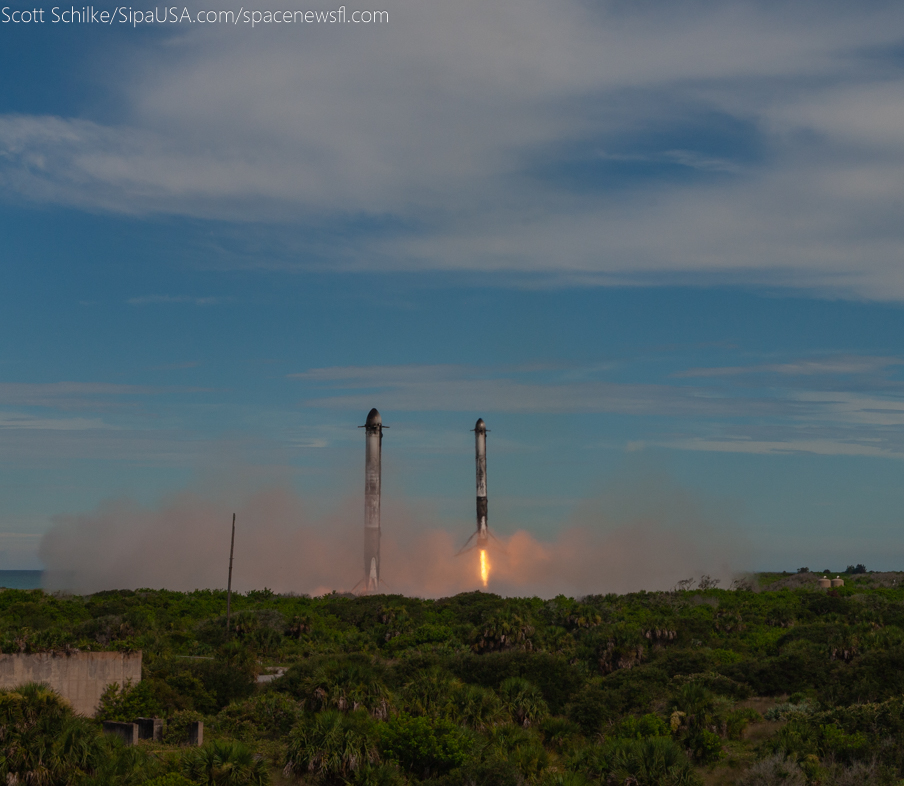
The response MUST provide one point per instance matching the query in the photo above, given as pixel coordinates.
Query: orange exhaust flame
(484, 567)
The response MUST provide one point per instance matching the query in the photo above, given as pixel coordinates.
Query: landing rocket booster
(480, 452)
(481, 537)
(372, 479)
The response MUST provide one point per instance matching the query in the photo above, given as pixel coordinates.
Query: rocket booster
(372, 477)
(481, 538)
(480, 451)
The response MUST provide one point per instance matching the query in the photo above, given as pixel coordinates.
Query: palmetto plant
(77, 746)
(477, 708)
(500, 741)
(431, 693)
(503, 632)
(41, 742)
(347, 687)
(523, 700)
(28, 707)
(696, 702)
(124, 766)
(225, 763)
(332, 745)
(521, 749)
(529, 760)
(559, 733)
(655, 761)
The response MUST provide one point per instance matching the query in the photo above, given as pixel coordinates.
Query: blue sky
(649, 243)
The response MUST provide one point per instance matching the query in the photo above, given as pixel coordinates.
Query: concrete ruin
(79, 677)
(150, 728)
(196, 733)
(127, 732)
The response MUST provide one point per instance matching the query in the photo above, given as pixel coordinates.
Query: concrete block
(149, 728)
(196, 733)
(79, 677)
(127, 731)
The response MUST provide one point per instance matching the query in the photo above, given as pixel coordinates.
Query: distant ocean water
(21, 579)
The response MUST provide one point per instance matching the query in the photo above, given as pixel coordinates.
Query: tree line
(743, 686)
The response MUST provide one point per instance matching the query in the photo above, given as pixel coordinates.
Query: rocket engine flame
(484, 567)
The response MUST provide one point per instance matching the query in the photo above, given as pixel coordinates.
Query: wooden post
(229, 585)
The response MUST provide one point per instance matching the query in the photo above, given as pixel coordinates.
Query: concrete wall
(79, 677)
(127, 732)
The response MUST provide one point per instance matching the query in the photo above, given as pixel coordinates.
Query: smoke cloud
(640, 539)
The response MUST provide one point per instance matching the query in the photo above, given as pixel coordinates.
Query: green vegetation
(787, 686)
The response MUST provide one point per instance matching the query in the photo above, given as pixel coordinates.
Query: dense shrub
(593, 707)
(426, 746)
(128, 702)
(480, 689)
(270, 715)
(175, 732)
(634, 728)
(557, 679)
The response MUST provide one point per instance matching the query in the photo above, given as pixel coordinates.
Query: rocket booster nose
(480, 426)
(373, 418)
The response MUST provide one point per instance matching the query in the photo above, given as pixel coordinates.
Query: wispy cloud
(176, 366)
(149, 447)
(466, 388)
(687, 158)
(785, 447)
(748, 419)
(17, 420)
(856, 408)
(69, 395)
(146, 300)
(380, 376)
(97, 396)
(837, 365)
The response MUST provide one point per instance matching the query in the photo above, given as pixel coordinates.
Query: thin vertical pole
(229, 585)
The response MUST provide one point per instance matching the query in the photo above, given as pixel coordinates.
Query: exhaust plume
(623, 542)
